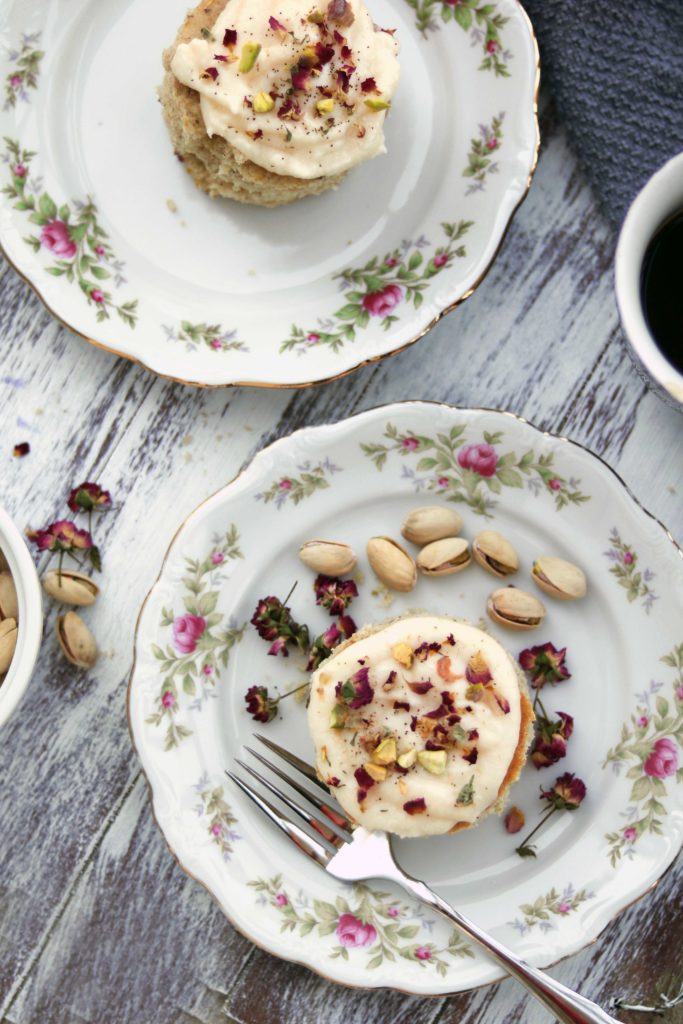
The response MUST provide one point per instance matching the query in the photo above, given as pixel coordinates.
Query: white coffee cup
(661, 197)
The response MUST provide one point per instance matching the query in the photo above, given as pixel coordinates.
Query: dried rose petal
(424, 650)
(230, 37)
(324, 53)
(276, 25)
(20, 450)
(220, 57)
(401, 705)
(477, 670)
(356, 692)
(421, 688)
(431, 745)
(340, 12)
(364, 780)
(210, 73)
(369, 85)
(472, 756)
(514, 820)
(333, 782)
(417, 806)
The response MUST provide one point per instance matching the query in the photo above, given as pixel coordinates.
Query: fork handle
(567, 1006)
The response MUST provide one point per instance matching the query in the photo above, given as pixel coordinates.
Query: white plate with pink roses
(122, 247)
(597, 815)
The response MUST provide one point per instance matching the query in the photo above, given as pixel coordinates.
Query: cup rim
(30, 631)
(640, 225)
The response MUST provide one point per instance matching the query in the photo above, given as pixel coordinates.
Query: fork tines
(333, 830)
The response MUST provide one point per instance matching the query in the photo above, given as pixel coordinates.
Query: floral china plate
(197, 655)
(107, 227)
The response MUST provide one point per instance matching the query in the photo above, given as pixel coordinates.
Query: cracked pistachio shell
(433, 522)
(73, 587)
(9, 608)
(77, 642)
(515, 609)
(495, 554)
(443, 557)
(391, 563)
(328, 557)
(8, 643)
(559, 578)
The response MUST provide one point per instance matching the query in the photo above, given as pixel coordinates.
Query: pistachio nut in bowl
(21, 616)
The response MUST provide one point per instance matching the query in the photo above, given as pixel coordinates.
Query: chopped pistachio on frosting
(299, 90)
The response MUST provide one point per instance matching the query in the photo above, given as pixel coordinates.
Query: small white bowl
(30, 601)
(661, 197)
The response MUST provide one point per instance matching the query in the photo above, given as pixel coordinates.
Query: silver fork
(352, 854)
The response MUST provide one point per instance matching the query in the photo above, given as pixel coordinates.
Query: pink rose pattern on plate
(210, 336)
(652, 744)
(555, 905)
(23, 74)
(475, 471)
(636, 582)
(371, 923)
(482, 21)
(377, 292)
(200, 643)
(308, 479)
(78, 245)
(216, 815)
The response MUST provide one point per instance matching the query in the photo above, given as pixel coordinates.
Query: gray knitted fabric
(615, 68)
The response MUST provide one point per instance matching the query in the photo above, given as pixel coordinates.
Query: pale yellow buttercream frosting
(489, 721)
(295, 137)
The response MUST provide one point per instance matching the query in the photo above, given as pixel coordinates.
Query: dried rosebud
(333, 594)
(418, 806)
(514, 820)
(61, 536)
(567, 793)
(550, 744)
(88, 497)
(544, 664)
(356, 692)
(273, 622)
(323, 645)
(260, 706)
(20, 450)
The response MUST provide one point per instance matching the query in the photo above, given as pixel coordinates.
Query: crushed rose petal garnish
(417, 806)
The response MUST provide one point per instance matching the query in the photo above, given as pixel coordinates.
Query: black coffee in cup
(662, 289)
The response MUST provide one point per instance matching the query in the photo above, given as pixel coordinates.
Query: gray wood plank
(96, 920)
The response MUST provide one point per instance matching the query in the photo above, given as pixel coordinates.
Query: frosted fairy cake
(420, 726)
(270, 102)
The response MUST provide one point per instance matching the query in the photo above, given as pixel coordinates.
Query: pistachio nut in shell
(70, 587)
(391, 563)
(495, 553)
(9, 608)
(8, 643)
(515, 609)
(443, 557)
(559, 578)
(328, 557)
(432, 522)
(77, 642)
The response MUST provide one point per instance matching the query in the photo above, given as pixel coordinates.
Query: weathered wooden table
(97, 922)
